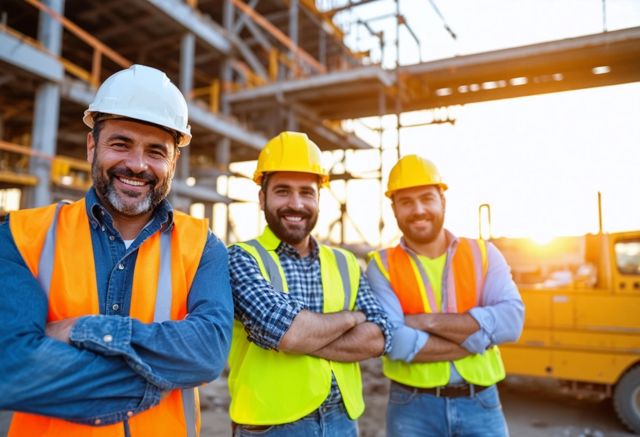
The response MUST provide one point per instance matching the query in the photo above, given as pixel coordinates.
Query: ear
(261, 198)
(175, 159)
(91, 147)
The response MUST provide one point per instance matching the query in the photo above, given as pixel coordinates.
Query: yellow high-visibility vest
(270, 387)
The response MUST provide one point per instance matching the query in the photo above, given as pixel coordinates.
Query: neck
(304, 247)
(433, 249)
(130, 227)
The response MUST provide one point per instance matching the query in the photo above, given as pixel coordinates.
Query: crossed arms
(90, 378)
(278, 321)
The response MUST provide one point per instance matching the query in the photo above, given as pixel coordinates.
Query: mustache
(292, 211)
(416, 217)
(146, 176)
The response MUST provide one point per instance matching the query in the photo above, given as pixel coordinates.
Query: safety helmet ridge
(290, 151)
(413, 171)
(142, 93)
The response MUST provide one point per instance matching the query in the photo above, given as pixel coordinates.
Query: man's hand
(61, 329)
(453, 327)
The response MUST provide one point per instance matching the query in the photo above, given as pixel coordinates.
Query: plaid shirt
(267, 313)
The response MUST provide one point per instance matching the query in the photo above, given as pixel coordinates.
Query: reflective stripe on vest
(467, 263)
(272, 387)
(161, 311)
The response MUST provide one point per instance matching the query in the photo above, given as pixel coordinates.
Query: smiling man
(304, 311)
(450, 302)
(115, 307)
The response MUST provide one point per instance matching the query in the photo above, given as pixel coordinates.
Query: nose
(295, 201)
(136, 161)
(419, 207)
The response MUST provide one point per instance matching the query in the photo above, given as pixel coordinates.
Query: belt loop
(437, 392)
(472, 391)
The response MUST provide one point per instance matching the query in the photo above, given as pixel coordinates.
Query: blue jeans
(326, 421)
(413, 414)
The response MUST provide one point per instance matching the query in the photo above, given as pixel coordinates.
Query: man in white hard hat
(451, 301)
(115, 307)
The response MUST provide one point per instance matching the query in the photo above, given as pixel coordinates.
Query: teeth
(293, 218)
(132, 182)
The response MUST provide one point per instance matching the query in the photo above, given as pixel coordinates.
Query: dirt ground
(533, 409)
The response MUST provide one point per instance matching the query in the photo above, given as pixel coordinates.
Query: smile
(132, 182)
(292, 218)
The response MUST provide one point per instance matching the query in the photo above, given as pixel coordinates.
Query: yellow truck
(582, 323)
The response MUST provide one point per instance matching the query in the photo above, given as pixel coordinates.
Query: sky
(538, 161)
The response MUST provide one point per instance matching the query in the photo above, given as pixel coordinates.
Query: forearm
(44, 376)
(453, 327)
(55, 379)
(359, 343)
(439, 349)
(312, 331)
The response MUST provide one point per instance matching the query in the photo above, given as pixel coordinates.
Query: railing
(65, 171)
(99, 49)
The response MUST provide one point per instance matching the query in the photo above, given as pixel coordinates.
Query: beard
(291, 234)
(129, 203)
(422, 236)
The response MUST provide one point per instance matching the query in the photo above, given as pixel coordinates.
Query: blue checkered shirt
(267, 313)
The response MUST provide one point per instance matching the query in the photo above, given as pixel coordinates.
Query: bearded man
(305, 314)
(450, 302)
(115, 307)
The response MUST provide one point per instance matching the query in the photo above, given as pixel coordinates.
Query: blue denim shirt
(92, 379)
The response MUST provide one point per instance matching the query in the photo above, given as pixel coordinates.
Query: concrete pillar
(293, 27)
(46, 110)
(187, 57)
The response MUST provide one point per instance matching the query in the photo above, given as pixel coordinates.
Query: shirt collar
(452, 239)
(270, 241)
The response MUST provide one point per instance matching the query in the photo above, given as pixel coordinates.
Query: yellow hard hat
(290, 151)
(413, 171)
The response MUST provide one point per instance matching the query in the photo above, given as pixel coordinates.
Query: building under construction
(249, 69)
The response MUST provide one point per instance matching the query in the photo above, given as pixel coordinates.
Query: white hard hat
(146, 94)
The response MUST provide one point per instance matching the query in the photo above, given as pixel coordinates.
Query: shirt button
(115, 307)
(120, 266)
(103, 228)
(111, 237)
(107, 338)
(130, 413)
(97, 422)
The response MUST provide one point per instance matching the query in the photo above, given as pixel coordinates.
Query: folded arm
(173, 354)
(42, 375)
(453, 327)
(359, 343)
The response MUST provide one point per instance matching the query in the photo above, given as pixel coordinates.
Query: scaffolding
(250, 69)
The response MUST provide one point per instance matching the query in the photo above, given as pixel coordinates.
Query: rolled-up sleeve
(175, 353)
(369, 305)
(265, 313)
(42, 375)
(501, 315)
(405, 342)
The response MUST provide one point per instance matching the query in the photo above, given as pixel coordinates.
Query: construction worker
(304, 312)
(115, 307)
(450, 302)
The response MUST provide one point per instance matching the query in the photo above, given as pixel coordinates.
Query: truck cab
(582, 314)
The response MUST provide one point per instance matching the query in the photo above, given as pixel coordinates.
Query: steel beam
(205, 29)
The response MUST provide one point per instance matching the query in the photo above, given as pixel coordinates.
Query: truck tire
(626, 399)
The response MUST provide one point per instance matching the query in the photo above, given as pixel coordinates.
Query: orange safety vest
(463, 281)
(55, 243)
